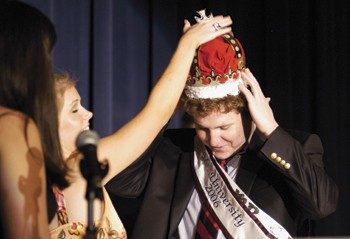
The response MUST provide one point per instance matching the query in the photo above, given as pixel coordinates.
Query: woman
(71, 215)
(30, 156)
(128, 143)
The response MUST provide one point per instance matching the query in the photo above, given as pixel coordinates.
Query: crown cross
(202, 15)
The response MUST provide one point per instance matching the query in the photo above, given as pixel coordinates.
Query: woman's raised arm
(129, 142)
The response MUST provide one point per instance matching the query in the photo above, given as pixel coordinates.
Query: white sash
(236, 214)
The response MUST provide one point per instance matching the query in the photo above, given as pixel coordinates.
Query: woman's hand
(258, 104)
(207, 29)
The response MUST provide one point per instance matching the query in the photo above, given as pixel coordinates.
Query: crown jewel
(202, 15)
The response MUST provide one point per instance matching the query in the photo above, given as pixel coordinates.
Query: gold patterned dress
(110, 226)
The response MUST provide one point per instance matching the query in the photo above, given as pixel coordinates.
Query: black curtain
(297, 49)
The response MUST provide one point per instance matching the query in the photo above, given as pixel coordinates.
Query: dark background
(297, 49)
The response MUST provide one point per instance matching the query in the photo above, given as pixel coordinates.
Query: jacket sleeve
(131, 182)
(300, 160)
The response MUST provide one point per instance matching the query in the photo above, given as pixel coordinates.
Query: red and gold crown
(215, 70)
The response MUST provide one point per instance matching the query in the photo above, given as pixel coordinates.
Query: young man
(238, 169)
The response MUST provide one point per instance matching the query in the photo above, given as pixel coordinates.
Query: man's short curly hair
(204, 107)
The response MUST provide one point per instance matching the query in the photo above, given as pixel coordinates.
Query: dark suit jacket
(152, 194)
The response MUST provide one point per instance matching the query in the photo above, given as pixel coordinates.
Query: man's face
(223, 133)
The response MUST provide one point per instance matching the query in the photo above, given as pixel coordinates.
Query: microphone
(87, 142)
(93, 171)
(87, 137)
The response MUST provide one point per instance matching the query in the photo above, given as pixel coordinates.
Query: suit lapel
(247, 171)
(245, 180)
(153, 218)
(184, 187)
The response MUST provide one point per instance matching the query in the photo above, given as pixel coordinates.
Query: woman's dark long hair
(26, 80)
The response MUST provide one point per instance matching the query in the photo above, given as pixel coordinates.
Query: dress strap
(62, 215)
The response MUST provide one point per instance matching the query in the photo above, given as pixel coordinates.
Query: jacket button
(278, 159)
(273, 155)
(287, 166)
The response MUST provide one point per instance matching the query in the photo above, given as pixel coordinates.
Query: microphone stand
(93, 191)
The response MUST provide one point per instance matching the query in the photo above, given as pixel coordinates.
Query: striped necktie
(207, 228)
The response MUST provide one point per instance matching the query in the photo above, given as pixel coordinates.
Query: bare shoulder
(20, 150)
(10, 118)
(17, 129)
(22, 173)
